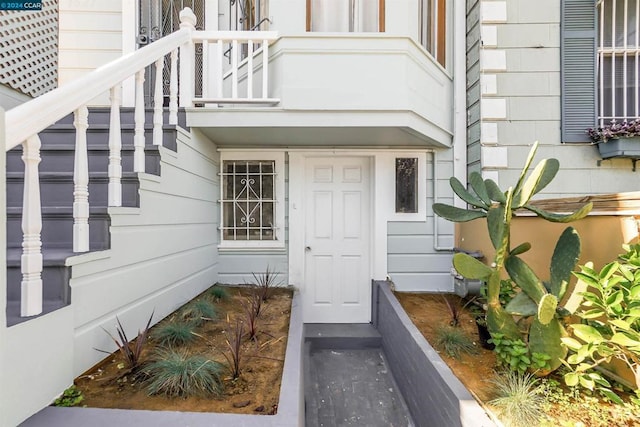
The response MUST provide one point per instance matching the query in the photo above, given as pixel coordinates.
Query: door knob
(308, 248)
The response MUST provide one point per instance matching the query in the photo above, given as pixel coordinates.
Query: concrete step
(55, 279)
(57, 228)
(61, 158)
(98, 135)
(102, 115)
(56, 189)
(342, 335)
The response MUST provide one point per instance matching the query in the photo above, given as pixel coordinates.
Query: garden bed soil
(257, 389)
(477, 371)
(429, 312)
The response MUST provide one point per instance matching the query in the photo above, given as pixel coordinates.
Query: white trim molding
(279, 183)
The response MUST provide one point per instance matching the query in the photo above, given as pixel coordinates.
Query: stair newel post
(173, 89)
(31, 260)
(158, 101)
(138, 136)
(115, 147)
(81, 183)
(187, 58)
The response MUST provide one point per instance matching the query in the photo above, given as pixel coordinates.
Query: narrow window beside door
(406, 185)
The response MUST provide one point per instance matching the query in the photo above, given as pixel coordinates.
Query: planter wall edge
(434, 395)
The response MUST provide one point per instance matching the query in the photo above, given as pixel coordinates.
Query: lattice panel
(29, 49)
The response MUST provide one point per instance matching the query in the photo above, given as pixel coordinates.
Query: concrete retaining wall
(434, 395)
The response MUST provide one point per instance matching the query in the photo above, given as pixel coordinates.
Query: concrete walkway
(350, 386)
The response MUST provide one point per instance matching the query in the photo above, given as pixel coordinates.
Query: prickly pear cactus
(536, 299)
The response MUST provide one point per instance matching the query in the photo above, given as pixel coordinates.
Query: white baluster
(250, 70)
(265, 69)
(187, 58)
(206, 77)
(173, 89)
(234, 69)
(138, 136)
(81, 183)
(158, 100)
(31, 260)
(115, 147)
(219, 73)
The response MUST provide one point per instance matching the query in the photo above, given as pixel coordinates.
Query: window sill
(251, 248)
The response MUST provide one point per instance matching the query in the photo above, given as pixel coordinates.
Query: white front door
(337, 277)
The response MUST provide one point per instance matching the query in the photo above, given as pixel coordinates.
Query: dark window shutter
(578, 68)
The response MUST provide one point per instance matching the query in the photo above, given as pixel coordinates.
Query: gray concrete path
(352, 387)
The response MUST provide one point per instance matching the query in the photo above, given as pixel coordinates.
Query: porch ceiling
(276, 127)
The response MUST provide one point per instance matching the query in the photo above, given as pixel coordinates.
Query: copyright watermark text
(20, 5)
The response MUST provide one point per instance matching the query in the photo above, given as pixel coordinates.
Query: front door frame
(379, 207)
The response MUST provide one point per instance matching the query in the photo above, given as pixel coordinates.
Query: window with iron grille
(248, 200)
(599, 64)
(617, 60)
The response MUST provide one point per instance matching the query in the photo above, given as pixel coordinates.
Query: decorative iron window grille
(407, 185)
(248, 200)
(618, 60)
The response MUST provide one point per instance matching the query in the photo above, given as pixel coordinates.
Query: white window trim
(421, 215)
(278, 243)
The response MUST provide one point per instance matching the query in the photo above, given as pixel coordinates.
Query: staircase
(56, 187)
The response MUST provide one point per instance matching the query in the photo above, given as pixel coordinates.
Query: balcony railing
(24, 122)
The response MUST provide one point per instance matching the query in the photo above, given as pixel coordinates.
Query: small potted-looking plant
(617, 139)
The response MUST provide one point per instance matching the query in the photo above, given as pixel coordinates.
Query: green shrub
(514, 355)
(453, 341)
(176, 373)
(175, 333)
(610, 328)
(197, 312)
(70, 397)
(219, 293)
(519, 400)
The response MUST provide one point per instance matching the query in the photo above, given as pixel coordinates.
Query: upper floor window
(345, 15)
(249, 15)
(433, 26)
(617, 60)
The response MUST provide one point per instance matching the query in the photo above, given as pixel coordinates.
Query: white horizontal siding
(415, 260)
(90, 35)
(163, 253)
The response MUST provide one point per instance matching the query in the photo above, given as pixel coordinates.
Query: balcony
(366, 89)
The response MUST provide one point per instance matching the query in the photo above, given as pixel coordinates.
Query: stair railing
(25, 122)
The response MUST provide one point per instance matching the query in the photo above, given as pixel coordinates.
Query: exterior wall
(473, 85)
(543, 236)
(91, 35)
(520, 102)
(419, 253)
(161, 255)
